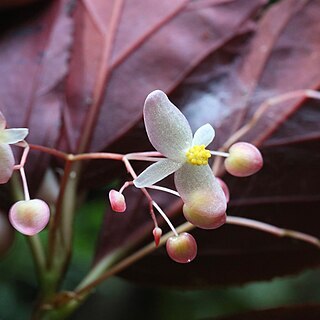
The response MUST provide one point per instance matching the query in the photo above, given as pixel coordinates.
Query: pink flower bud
(157, 233)
(224, 188)
(6, 235)
(29, 216)
(6, 163)
(202, 218)
(244, 160)
(204, 211)
(117, 201)
(182, 248)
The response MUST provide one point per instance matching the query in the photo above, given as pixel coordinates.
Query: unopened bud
(117, 201)
(182, 248)
(29, 216)
(205, 211)
(157, 233)
(244, 160)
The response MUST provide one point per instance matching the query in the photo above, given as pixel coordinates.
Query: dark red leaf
(131, 62)
(202, 18)
(33, 63)
(105, 44)
(225, 90)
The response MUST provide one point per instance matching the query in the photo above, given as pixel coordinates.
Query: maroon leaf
(131, 62)
(104, 42)
(33, 63)
(225, 90)
(204, 22)
(273, 64)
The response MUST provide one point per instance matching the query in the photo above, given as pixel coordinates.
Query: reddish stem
(53, 152)
(146, 193)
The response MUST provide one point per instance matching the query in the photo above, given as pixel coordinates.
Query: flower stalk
(178, 152)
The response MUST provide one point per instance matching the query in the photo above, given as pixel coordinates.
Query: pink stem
(279, 232)
(164, 189)
(126, 185)
(25, 184)
(53, 152)
(24, 155)
(96, 155)
(146, 193)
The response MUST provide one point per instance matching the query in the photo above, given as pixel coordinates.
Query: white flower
(170, 134)
(7, 137)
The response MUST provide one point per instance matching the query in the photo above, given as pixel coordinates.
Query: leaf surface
(33, 63)
(225, 90)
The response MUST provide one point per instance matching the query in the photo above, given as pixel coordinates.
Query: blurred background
(218, 60)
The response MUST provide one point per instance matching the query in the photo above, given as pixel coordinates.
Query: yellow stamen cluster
(198, 155)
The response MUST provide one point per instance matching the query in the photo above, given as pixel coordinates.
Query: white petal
(6, 163)
(194, 182)
(156, 172)
(167, 128)
(204, 135)
(14, 135)
(2, 121)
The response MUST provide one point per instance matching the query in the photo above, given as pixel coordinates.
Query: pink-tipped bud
(182, 248)
(224, 188)
(29, 216)
(244, 160)
(6, 235)
(117, 201)
(6, 163)
(203, 218)
(205, 210)
(157, 233)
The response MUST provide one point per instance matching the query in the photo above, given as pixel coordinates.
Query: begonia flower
(7, 137)
(187, 157)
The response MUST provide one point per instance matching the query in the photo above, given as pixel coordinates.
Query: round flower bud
(204, 211)
(182, 248)
(6, 163)
(224, 188)
(29, 216)
(244, 160)
(202, 218)
(117, 201)
(157, 233)
(6, 235)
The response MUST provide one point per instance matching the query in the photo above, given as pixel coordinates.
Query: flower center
(198, 155)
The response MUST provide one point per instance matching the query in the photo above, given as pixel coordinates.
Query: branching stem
(276, 231)
(244, 222)
(144, 190)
